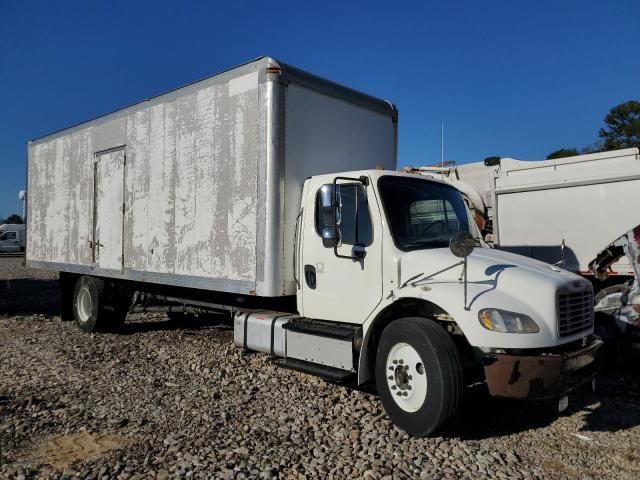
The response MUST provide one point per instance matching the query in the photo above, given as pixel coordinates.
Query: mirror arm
(465, 284)
(350, 257)
(416, 279)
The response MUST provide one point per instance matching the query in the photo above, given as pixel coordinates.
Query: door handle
(310, 276)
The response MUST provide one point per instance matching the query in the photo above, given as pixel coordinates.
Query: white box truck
(270, 193)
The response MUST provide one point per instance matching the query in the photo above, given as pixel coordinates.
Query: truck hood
(496, 279)
(484, 264)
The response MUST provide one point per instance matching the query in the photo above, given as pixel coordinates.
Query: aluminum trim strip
(203, 283)
(578, 183)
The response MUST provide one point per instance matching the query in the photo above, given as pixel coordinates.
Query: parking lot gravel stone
(160, 400)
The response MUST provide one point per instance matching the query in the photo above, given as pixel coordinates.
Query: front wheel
(418, 375)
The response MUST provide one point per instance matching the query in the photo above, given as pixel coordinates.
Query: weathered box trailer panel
(575, 202)
(359, 139)
(199, 187)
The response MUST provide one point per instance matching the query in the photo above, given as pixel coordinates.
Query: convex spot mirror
(462, 244)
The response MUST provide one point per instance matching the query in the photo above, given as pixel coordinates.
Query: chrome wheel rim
(84, 305)
(406, 377)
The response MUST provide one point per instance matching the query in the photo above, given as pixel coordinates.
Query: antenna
(442, 147)
(22, 195)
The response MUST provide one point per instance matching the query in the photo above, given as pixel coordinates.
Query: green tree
(595, 147)
(13, 218)
(563, 152)
(622, 126)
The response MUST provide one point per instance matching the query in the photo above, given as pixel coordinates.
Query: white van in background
(12, 237)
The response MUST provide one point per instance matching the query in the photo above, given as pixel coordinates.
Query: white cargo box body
(585, 202)
(200, 187)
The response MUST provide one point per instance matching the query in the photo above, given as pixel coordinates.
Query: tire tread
(432, 336)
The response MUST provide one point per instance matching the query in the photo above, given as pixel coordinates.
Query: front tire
(418, 375)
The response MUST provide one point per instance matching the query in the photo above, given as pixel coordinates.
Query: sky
(508, 78)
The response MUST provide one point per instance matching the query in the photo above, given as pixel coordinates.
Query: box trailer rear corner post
(271, 194)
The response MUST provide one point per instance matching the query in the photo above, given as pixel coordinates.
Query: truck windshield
(422, 214)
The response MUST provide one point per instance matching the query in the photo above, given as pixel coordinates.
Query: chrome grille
(575, 312)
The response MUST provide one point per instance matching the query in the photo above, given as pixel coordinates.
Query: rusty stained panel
(540, 376)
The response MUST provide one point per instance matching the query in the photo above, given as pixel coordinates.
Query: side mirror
(462, 244)
(328, 215)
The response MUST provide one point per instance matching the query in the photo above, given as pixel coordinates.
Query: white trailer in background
(568, 209)
(255, 192)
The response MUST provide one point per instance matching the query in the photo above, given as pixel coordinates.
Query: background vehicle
(253, 192)
(618, 305)
(564, 211)
(12, 237)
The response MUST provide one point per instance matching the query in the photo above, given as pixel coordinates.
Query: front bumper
(542, 375)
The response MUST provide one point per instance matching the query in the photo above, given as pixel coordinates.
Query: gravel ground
(156, 401)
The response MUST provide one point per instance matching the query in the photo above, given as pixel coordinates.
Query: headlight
(506, 322)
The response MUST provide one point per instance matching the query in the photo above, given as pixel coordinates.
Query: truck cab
(374, 249)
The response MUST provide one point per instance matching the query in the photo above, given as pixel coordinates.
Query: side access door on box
(108, 209)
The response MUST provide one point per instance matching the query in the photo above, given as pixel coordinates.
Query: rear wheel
(418, 375)
(89, 309)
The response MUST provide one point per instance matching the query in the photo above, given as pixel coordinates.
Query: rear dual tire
(418, 375)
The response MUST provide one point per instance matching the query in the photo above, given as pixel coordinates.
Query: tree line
(13, 218)
(621, 130)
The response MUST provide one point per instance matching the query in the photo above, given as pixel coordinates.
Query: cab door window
(354, 219)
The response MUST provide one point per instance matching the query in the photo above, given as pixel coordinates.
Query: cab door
(343, 282)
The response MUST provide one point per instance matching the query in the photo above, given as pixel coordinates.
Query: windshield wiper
(434, 242)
